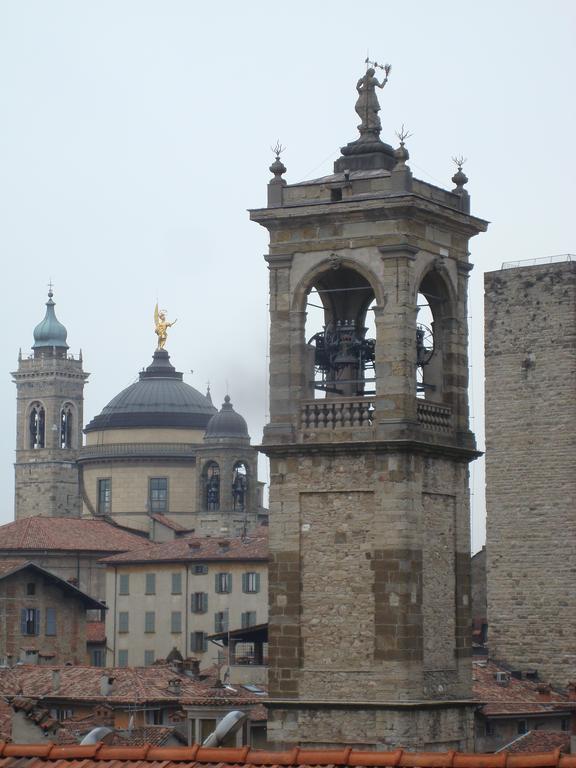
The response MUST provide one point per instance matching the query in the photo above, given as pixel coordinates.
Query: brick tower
(369, 444)
(50, 385)
(530, 338)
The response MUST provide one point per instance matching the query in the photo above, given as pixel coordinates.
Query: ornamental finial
(161, 326)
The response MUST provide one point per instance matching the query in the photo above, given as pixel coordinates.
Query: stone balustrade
(335, 413)
(434, 416)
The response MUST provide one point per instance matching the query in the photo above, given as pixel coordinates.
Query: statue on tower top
(367, 105)
(161, 326)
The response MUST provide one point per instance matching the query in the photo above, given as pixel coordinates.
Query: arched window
(66, 426)
(239, 486)
(337, 331)
(432, 321)
(37, 424)
(212, 486)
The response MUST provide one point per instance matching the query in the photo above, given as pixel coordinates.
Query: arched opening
(212, 486)
(339, 328)
(239, 486)
(66, 420)
(433, 304)
(37, 426)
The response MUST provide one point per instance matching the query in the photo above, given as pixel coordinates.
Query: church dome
(160, 398)
(227, 424)
(50, 332)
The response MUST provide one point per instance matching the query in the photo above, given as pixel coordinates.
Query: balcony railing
(434, 416)
(117, 450)
(333, 414)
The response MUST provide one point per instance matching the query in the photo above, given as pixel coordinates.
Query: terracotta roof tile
(163, 520)
(67, 533)
(516, 697)
(131, 684)
(8, 566)
(102, 756)
(540, 741)
(192, 548)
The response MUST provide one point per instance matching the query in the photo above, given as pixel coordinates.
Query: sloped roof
(540, 741)
(163, 520)
(10, 568)
(131, 685)
(49, 755)
(67, 533)
(201, 548)
(517, 697)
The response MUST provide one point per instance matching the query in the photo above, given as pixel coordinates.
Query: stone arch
(211, 486)
(240, 485)
(67, 425)
(36, 425)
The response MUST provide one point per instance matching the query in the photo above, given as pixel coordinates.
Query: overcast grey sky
(134, 134)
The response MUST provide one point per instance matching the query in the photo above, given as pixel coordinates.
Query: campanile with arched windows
(50, 386)
(369, 445)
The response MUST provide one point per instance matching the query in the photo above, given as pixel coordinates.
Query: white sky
(134, 134)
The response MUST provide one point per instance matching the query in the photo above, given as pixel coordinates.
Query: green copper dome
(50, 332)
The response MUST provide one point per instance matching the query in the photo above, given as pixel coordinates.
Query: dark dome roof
(159, 399)
(50, 332)
(227, 423)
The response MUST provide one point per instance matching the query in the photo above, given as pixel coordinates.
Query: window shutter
(229, 582)
(257, 576)
(217, 583)
(36, 621)
(244, 622)
(50, 621)
(204, 601)
(244, 582)
(23, 614)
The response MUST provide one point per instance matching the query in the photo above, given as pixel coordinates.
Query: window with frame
(221, 621)
(176, 622)
(154, 717)
(50, 619)
(124, 584)
(104, 506)
(223, 583)
(150, 621)
(97, 657)
(149, 658)
(248, 619)
(123, 658)
(199, 602)
(150, 584)
(198, 642)
(522, 727)
(30, 621)
(31, 588)
(123, 622)
(250, 582)
(177, 583)
(200, 569)
(66, 420)
(158, 494)
(37, 424)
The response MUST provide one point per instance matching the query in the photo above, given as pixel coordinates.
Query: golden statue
(162, 326)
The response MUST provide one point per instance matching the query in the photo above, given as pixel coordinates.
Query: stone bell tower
(50, 386)
(369, 444)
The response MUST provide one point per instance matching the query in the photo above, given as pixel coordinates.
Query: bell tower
(50, 386)
(369, 445)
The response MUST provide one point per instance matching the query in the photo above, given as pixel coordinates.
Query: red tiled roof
(67, 533)
(163, 520)
(517, 697)
(131, 685)
(9, 568)
(49, 755)
(193, 548)
(95, 632)
(540, 741)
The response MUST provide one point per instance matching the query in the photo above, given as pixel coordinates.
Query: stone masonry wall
(531, 467)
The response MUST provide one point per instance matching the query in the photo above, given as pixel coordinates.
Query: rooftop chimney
(544, 691)
(106, 685)
(175, 686)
